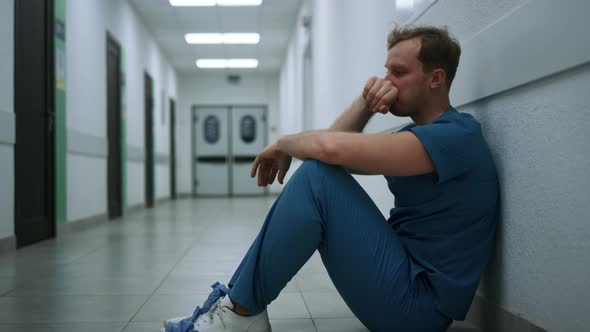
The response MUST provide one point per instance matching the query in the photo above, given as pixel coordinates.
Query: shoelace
(210, 307)
(215, 310)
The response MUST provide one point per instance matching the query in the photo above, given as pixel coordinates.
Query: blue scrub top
(446, 219)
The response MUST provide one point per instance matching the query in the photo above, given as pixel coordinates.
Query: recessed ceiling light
(209, 3)
(222, 38)
(227, 63)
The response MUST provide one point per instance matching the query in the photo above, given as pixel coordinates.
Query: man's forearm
(354, 118)
(306, 145)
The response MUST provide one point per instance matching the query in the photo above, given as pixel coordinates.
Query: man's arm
(354, 118)
(397, 154)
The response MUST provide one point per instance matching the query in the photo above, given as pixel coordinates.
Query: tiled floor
(130, 274)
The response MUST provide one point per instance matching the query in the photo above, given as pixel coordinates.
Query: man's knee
(320, 168)
(314, 165)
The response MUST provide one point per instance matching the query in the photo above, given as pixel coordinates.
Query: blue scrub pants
(323, 208)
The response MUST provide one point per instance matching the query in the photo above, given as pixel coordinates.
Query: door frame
(112, 42)
(194, 110)
(172, 106)
(149, 139)
(26, 236)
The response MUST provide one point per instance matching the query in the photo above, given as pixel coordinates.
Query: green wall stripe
(60, 113)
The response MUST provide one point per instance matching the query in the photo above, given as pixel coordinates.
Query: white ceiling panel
(274, 21)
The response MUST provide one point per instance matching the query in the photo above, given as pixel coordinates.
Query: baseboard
(134, 208)
(162, 200)
(489, 317)
(81, 224)
(7, 127)
(184, 195)
(7, 244)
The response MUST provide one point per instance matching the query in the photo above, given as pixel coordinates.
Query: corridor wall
(348, 46)
(525, 74)
(86, 25)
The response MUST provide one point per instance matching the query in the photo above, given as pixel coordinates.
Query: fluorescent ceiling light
(227, 63)
(186, 3)
(209, 3)
(404, 4)
(222, 38)
(408, 11)
(239, 2)
(204, 38)
(241, 38)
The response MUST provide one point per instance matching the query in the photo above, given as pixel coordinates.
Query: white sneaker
(217, 315)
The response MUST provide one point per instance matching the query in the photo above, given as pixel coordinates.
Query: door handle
(50, 115)
(244, 159)
(212, 159)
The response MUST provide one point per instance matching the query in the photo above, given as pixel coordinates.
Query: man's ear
(439, 78)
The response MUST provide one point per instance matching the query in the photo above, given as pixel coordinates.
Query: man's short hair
(439, 48)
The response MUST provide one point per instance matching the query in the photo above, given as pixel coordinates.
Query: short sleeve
(450, 144)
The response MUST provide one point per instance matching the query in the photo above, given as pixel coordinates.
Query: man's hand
(270, 162)
(379, 95)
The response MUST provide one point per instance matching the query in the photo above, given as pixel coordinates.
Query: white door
(248, 139)
(211, 144)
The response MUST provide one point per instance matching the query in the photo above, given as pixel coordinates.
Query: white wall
(7, 106)
(162, 181)
(135, 183)
(6, 190)
(7, 56)
(535, 117)
(344, 57)
(213, 89)
(86, 25)
(526, 81)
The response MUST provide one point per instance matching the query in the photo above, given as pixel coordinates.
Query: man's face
(406, 73)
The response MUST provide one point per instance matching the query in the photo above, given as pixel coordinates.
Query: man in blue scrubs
(417, 270)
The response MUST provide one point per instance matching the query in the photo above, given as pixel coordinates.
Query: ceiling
(274, 20)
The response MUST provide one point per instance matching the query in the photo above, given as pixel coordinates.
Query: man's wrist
(282, 143)
(359, 105)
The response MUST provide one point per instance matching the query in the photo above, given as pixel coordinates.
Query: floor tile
(193, 267)
(161, 307)
(314, 265)
(288, 305)
(86, 286)
(143, 327)
(339, 325)
(292, 325)
(71, 327)
(69, 309)
(309, 282)
(6, 285)
(113, 269)
(191, 284)
(220, 252)
(326, 305)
